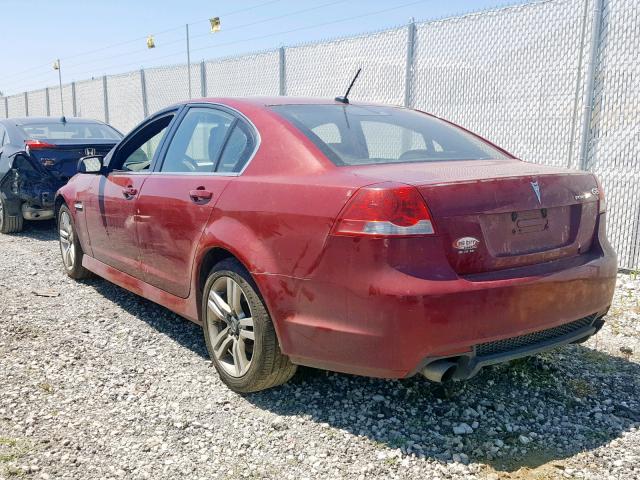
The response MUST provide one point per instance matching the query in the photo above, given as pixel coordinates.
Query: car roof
(52, 120)
(279, 100)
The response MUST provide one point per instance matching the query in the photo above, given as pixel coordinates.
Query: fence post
(74, 105)
(106, 99)
(203, 79)
(26, 104)
(576, 98)
(46, 101)
(282, 90)
(590, 83)
(143, 85)
(408, 72)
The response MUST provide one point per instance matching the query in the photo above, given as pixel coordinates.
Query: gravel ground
(98, 383)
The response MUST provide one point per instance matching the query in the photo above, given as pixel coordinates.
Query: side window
(198, 141)
(137, 153)
(237, 150)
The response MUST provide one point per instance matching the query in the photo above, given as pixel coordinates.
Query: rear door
(110, 209)
(206, 150)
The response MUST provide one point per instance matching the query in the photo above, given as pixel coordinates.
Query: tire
(240, 337)
(9, 224)
(70, 246)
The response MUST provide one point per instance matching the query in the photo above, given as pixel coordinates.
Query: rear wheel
(239, 333)
(70, 247)
(9, 224)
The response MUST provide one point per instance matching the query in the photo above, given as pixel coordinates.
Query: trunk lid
(61, 159)
(502, 214)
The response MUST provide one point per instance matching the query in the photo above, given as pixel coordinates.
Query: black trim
(227, 136)
(469, 364)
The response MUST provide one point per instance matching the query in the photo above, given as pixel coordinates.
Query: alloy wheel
(231, 327)
(67, 245)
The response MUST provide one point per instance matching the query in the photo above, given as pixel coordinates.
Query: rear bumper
(30, 212)
(470, 363)
(384, 320)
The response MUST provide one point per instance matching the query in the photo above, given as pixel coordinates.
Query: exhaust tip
(439, 371)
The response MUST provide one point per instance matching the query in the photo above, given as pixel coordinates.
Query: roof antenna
(345, 99)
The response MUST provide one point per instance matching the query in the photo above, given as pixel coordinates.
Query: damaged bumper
(29, 190)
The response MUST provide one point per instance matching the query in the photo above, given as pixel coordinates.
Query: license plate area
(530, 222)
(529, 231)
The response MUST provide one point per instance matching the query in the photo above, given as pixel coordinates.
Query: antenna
(345, 99)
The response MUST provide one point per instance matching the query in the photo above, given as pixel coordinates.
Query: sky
(94, 38)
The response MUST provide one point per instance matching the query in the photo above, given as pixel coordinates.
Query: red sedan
(367, 239)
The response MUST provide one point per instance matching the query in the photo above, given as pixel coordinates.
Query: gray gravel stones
(98, 383)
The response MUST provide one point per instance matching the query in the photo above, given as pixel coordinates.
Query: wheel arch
(210, 256)
(57, 204)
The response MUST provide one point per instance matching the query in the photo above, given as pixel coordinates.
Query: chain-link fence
(555, 82)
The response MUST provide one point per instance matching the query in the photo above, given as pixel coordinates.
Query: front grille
(532, 339)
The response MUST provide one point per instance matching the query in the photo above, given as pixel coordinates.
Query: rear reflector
(385, 210)
(37, 145)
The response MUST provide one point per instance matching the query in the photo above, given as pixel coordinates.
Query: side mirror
(91, 164)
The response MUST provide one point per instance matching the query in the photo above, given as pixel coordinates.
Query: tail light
(37, 145)
(601, 198)
(385, 210)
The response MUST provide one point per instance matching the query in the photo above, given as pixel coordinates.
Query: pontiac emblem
(536, 190)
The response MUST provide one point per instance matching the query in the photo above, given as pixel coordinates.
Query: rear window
(366, 135)
(69, 131)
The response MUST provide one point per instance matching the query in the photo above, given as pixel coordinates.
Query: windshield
(69, 131)
(366, 135)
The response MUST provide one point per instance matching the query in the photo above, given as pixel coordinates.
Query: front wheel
(238, 331)
(70, 247)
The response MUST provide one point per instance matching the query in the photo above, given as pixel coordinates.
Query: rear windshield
(69, 131)
(366, 135)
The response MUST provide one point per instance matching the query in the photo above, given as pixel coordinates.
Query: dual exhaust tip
(439, 371)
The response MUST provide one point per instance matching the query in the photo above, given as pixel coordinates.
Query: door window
(198, 141)
(237, 150)
(137, 153)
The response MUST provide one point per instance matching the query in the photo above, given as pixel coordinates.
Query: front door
(110, 211)
(178, 199)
